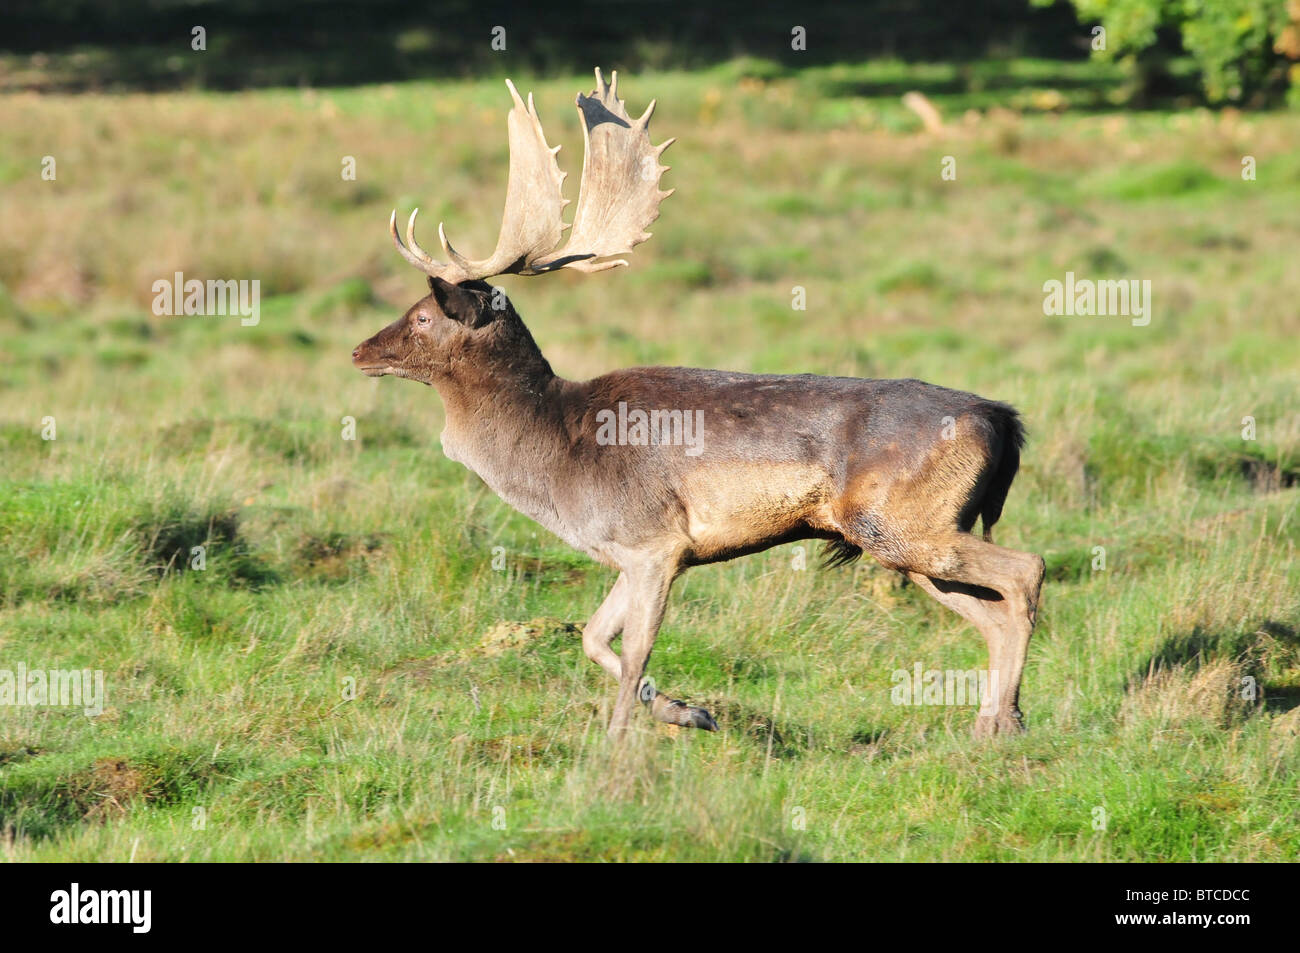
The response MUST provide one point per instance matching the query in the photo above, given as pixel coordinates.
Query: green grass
(350, 678)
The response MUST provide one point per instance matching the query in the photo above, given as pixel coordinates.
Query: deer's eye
(422, 318)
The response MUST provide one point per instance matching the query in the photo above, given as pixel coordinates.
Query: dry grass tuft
(1178, 697)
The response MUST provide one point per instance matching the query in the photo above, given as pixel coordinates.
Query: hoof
(674, 712)
(1002, 723)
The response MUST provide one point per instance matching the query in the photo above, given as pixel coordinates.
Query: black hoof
(674, 712)
(702, 719)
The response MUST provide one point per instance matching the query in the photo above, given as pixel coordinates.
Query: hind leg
(997, 590)
(987, 611)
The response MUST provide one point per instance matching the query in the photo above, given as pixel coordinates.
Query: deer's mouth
(386, 370)
(367, 364)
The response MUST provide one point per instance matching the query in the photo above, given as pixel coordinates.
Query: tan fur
(741, 506)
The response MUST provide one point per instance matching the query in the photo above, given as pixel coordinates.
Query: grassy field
(477, 726)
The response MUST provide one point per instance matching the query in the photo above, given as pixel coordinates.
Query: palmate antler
(618, 197)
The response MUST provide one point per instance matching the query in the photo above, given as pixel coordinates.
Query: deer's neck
(504, 422)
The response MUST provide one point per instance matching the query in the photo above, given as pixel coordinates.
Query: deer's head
(619, 196)
(445, 325)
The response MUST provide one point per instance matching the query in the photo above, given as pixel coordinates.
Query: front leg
(602, 628)
(611, 619)
(650, 582)
(649, 579)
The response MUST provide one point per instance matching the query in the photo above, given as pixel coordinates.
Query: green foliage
(1237, 44)
(1232, 40)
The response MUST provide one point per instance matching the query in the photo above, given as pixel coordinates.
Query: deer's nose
(355, 351)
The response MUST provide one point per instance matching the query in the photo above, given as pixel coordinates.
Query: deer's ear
(459, 304)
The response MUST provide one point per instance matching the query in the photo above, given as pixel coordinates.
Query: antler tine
(442, 240)
(450, 252)
(423, 263)
(412, 244)
(418, 257)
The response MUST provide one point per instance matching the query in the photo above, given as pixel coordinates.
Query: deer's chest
(451, 447)
(517, 485)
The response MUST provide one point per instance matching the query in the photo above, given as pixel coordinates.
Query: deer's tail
(1011, 438)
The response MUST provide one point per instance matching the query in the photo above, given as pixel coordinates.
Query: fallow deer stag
(899, 469)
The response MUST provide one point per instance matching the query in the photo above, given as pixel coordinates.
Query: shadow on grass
(1263, 648)
(781, 739)
(176, 536)
(40, 798)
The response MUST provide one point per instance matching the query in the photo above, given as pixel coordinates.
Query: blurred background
(912, 173)
(1243, 49)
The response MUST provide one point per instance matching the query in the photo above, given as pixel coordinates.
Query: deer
(897, 469)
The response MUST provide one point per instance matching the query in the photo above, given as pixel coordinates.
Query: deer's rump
(782, 457)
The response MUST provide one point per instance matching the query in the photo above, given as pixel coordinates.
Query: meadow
(381, 661)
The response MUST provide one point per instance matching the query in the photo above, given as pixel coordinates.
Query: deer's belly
(747, 507)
